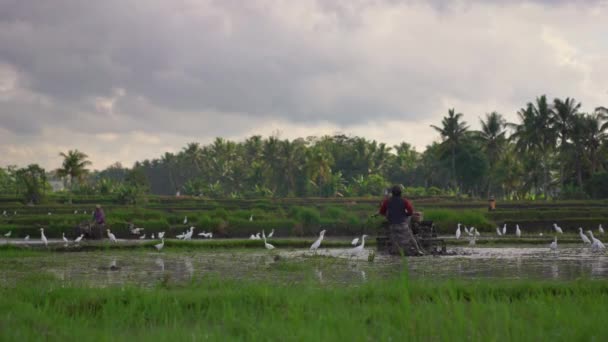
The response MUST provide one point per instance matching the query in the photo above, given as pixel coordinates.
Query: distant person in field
(99, 216)
(397, 210)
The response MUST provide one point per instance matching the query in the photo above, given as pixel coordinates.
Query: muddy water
(147, 268)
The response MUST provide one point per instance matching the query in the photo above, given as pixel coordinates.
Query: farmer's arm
(383, 208)
(409, 209)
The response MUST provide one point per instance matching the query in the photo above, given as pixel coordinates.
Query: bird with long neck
(43, 237)
(359, 248)
(583, 236)
(317, 243)
(266, 244)
(111, 236)
(596, 244)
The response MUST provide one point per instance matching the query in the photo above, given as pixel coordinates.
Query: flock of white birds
(594, 243)
(187, 235)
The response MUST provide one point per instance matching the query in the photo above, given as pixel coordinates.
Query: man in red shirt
(397, 210)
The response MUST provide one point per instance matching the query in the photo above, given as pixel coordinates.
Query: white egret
(78, 239)
(111, 236)
(540, 234)
(583, 236)
(266, 244)
(85, 212)
(355, 241)
(466, 230)
(26, 238)
(4, 213)
(517, 231)
(271, 234)
(181, 236)
(161, 235)
(458, 232)
(160, 245)
(472, 241)
(553, 244)
(75, 212)
(557, 228)
(185, 219)
(504, 229)
(498, 231)
(188, 235)
(136, 231)
(317, 243)
(49, 213)
(359, 248)
(477, 233)
(601, 229)
(142, 237)
(64, 238)
(8, 234)
(251, 218)
(596, 244)
(43, 238)
(152, 236)
(252, 237)
(257, 236)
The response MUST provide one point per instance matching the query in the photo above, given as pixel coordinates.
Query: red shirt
(409, 209)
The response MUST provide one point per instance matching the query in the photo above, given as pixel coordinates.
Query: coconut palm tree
(452, 132)
(563, 117)
(73, 168)
(492, 138)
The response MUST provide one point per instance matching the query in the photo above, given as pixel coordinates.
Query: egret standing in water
(558, 229)
(185, 219)
(355, 241)
(64, 239)
(601, 229)
(359, 248)
(266, 244)
(472, 241)
(458, 232)
(553, 244)
(26, 238)
(160, 245)
(317, 243)
(271, 234)
(111, 236)
(43, 238)
(78, 239)
(504, 229)
(596, 245)
(7, 235)
(517, 231)
(498, 231)
(583, 236)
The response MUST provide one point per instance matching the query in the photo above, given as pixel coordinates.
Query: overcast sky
(126, 80)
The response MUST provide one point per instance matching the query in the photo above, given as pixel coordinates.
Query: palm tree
(493, 140)
(452, 132)
(562, 120)
(73, 168)
(534, 137)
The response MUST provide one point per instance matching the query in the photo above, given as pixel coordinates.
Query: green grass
(396, 309)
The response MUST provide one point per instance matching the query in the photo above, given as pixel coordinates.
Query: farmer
(98, 216)
(397, 210)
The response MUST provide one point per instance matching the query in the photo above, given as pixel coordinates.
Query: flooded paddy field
(144, 267)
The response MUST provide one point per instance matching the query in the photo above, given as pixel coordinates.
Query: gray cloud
(204, 68)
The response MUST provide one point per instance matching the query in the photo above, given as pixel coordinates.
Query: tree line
(553, 150)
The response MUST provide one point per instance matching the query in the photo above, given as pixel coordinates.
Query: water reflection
(325, 266)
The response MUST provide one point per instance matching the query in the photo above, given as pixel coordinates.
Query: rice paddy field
(503, 288)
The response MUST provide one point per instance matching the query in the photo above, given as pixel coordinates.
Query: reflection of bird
(472, 241)
(583, 236)
(317, 243)
(517, 231)
(266, 244)
(557, 228)
(160, 245)
(355, 241)
(160, 263)
(359, 248)
(43, 238)
(458, 232)
(111, 236)
(498, 231)
(596, 244)
(553, 244)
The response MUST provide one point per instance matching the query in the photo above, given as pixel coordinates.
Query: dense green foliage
(395, 309)
(553, 151)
